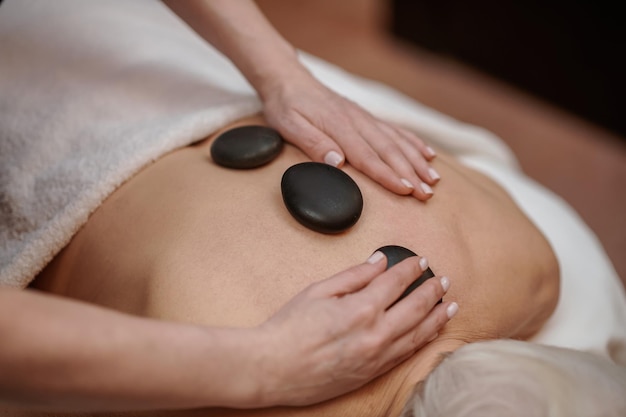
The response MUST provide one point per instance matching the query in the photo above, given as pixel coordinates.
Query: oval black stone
(246, 147)
(321, 197)
(396, 254)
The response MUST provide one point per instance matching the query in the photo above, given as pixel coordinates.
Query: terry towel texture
(92, 91)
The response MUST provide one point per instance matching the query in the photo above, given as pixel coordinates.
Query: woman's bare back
(187, 240)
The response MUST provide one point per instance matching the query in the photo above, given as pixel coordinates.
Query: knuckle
(365, 313)
(318, 145)
(400, 284)
(441, 319)
(426, 298)
(377, 343)
(389, 148)
(366, 159)
(414, 269)
(422, 307)
(372, 346)
(418, 339)
(435, 282)
(431, 290)
(406, 272)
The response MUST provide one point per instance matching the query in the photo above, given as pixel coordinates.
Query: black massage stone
(246, 147)
(396, 254)
(321, 197)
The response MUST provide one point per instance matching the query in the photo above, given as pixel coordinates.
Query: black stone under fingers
(396, 254)
(246, 147)
(321, 197)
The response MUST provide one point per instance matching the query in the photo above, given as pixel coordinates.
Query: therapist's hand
(326, 126)
(330, 128)
(339, 334)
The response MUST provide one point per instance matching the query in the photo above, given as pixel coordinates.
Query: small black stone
(246, 147)
(396, 254)
(321, 197)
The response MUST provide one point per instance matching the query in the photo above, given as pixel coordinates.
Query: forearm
(242, 33)
(59, 354)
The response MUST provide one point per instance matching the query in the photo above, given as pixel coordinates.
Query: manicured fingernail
(426, 188)
(333, 158)
(445, 283)
(432, 338)
(423, 263)
(434, 175)
(452, 310)
(375, 257)
(430, 151)
(407, 183)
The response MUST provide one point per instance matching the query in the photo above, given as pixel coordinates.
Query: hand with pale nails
(326, 126)
(332, 129)
(339, 333)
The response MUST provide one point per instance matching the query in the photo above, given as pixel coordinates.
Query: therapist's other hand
(339, 334)
(330, 128)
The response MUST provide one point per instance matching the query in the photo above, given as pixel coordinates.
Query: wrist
(236, 360)
(265, 370)
(278, 76)
(263, 366)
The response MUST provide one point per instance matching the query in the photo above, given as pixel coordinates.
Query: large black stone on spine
(246, 147)
(396, 254)
(321, 197)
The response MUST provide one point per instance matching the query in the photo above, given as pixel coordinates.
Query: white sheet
(92, 91)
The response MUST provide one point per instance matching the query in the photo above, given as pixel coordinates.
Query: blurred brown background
(579, 160)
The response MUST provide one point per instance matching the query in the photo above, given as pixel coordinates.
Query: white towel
(92, 91)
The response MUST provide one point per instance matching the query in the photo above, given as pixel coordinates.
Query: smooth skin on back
(186, 240)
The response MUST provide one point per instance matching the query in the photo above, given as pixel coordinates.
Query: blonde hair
(520, 379)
